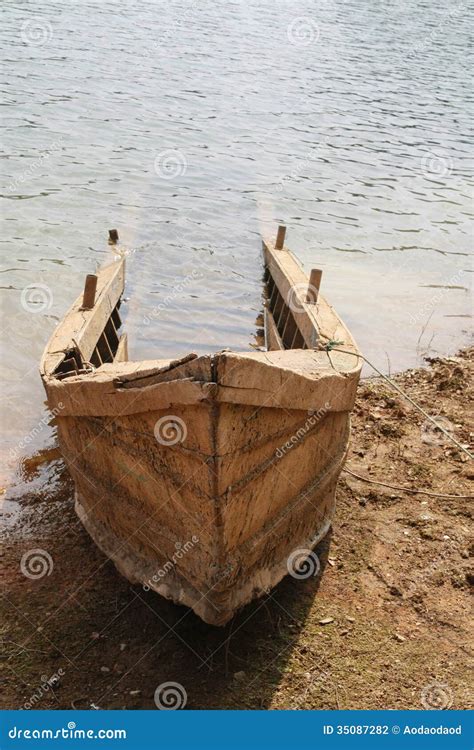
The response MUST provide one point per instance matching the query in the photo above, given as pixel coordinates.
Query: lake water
(193, 128)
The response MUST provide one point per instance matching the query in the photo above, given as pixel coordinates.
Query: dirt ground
(384, 625)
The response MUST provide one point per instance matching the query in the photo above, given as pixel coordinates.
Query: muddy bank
(384, 625)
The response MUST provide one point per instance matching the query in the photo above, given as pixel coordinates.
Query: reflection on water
(192, 128)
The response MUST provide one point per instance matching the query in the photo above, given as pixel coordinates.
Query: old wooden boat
(200, 477)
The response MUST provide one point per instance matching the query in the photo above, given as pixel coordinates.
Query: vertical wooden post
(280, 240)
(113, 236)
(314, 284)
(88, 298)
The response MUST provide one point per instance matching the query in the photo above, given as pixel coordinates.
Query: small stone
(95, 635)
(135, 692)
(399, 638)
(326, 620)
(350, 619)
(344, 632)
(104, 669)
(239, 676)
(123, 646)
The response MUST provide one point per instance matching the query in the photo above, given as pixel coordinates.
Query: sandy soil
(385, 624)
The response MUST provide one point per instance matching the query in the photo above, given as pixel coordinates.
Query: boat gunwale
(123, 373)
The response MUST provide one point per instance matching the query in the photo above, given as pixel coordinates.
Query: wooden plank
(89, 395)
(86, 326)
(292, 379)
(292, 283)
(318, 323)
(121, 355)
(191, 366)
(272, 337)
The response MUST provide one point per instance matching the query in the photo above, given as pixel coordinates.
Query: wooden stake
(280, 240)
(113, 236)
(88, 298)
(314, 284)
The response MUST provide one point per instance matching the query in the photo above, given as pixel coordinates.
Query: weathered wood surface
(296, 379)
(83, 327)
(122, 349)
(272, 336)
(252, 475)
(317, 322)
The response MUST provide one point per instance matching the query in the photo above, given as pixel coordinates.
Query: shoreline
(385, 621)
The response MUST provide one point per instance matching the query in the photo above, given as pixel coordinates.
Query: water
(193, 127)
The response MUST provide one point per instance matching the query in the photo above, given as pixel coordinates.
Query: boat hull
(208, 530)
(205, 478)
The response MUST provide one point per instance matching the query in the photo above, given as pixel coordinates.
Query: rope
(331, 346)
(407, 489)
